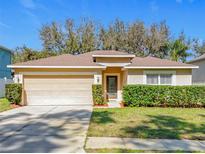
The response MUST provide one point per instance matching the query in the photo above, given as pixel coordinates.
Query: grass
(113, 151)
(4, 104)
(133, 151)
(155, 123)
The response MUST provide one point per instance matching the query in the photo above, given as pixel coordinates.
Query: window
(159, 79)
(152, 79)
(166, 79)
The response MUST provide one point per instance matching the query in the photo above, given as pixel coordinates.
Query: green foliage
(179, 51)
(167, 96)
(52, 37)
(14, 93)
(198, 47)
(97, 92)
(88, 35)
(133, 37)
(71, 43)
(23, 54)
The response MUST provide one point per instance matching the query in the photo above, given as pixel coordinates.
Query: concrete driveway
(44, 129)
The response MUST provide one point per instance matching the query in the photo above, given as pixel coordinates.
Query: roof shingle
(86, 59)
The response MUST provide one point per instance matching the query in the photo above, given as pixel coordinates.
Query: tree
(136, 38)
(119, 34)
(87, 36)
(198, 48)
(106, 38)
(24, 53)
(157, 39)
(52, 37)
(72, 40)
(179, 51)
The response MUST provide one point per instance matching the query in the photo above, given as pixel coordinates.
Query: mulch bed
(100, 105)
(13, 106)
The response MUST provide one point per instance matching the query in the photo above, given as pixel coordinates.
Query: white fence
(3, 82)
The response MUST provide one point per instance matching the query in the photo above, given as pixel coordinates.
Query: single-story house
(5, 73)
(198, 75)
(68, 79)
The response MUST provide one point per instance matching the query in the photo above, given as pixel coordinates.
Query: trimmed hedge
(164, 96)
(14, 93)
(97, 92)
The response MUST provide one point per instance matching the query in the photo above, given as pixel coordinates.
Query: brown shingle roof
(86, 59)
(156, 62)
(62, 60)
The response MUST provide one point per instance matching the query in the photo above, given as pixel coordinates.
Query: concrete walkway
(43, 129)
(144, 144)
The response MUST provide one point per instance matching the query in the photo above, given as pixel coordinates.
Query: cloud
(32, 5)
(33, 17)
(29, 4)
(31, 9)
(4, 25)
(154, 7)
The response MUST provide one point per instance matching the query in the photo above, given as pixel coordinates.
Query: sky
(20, 20)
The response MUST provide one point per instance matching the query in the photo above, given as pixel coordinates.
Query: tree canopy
(134, 37)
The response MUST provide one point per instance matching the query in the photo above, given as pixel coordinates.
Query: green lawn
(113, 151)
(164, 123)
(134, 151)
(4, 104)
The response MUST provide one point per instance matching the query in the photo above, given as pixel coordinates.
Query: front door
(112, 87)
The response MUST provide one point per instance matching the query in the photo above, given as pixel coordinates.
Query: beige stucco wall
(112, 60)
(135, 76)
(198, 75)
(183, 76)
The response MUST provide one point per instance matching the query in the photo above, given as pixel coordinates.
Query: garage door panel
(62, 87)
(58, 91)
(47, 84)
(69, 93)
(57, 100)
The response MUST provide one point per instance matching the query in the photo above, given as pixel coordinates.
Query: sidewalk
(144, 144)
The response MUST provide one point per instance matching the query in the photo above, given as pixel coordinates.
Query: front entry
(112, 87)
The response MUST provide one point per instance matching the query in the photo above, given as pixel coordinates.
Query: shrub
(167, 96)
(14, 93)
(97, 92)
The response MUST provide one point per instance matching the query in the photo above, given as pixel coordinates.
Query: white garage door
(51, 90)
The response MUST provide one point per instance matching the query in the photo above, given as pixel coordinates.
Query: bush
(166, 96)
(97, 92)
(14, 93)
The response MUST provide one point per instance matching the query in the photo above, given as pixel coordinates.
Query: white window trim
(159, 72)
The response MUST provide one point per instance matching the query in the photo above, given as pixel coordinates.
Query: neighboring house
(67, 79)
(5, 73)
(198, 75)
